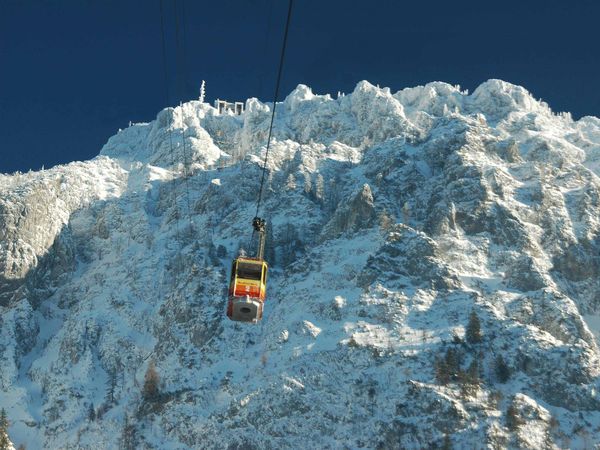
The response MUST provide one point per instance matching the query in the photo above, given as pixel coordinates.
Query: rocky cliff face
(395, 221)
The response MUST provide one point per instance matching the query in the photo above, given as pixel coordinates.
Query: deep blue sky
(74, 71)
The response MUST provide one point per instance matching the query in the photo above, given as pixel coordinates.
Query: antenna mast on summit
(202, 91)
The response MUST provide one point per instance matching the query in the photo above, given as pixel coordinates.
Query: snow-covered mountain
(395, 220)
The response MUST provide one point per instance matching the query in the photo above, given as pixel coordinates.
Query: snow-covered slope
(393, 219)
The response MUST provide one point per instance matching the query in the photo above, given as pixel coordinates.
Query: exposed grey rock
(522, 274)
(358, 213)
(407, 258)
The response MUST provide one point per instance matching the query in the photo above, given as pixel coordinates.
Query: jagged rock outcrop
(355, 214)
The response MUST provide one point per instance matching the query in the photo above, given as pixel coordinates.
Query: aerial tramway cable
(283, 47)
(182, 78)
(263, 50)
(166, 77)
(248, 284)
(247, 291)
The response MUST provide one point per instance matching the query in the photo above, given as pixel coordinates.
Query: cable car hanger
(248, 283)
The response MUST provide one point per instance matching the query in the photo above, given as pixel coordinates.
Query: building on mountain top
(236, 108)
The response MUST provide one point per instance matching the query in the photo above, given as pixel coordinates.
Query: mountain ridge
(393, 217)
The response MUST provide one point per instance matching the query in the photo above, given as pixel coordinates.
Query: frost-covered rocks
(357, 213)
(34, 216)
(393, 219)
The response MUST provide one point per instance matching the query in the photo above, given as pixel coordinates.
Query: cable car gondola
(248, 284)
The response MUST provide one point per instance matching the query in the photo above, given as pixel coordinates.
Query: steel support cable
(185, 80)
(166, 76)
(265, 46)
(276, 97)
(180, 53)
(184, 46)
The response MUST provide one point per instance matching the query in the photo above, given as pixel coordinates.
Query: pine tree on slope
(473, 331)
(91, 412)
(128, 436)
(4, 442)
(501, 369)
(111, 385)
(151, 382)
(513, 421)
(470, 380)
